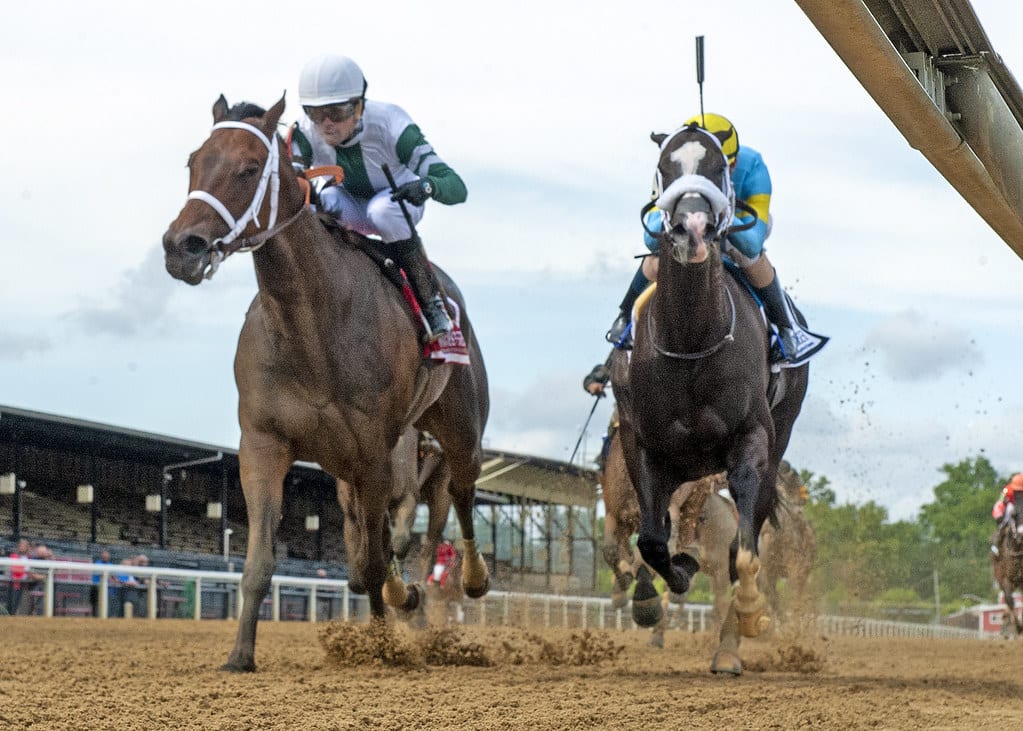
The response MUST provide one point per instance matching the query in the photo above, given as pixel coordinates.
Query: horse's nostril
(196, 245)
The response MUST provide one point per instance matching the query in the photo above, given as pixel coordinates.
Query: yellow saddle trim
(642, 300)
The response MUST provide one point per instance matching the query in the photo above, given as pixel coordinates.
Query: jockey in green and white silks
(341, 127)
(384, 135)
(751, 183)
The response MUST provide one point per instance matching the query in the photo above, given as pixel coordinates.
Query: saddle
(451, 348)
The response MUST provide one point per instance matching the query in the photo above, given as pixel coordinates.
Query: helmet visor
(334, 112)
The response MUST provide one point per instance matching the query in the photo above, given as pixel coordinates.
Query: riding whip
(596, 400)
(699, 74)
(404, 210)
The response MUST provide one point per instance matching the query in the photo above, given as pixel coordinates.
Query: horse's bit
(223, 247)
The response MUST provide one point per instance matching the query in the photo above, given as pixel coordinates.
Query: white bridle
(270, 176)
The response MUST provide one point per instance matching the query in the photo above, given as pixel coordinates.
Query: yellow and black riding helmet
(721, 128)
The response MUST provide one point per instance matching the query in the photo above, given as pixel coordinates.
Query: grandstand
(153, 494)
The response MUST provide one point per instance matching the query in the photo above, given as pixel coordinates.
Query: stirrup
(438, 323)
(620, 334)
(794, 347)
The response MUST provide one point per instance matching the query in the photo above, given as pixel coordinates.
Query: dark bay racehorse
(1007, 564)
(698, 396)
(329, 367)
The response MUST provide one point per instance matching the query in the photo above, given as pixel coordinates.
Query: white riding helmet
(330, 79)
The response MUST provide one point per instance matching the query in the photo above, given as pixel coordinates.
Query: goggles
(336, 113)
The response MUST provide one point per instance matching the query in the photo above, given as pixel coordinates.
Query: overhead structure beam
(930, 67)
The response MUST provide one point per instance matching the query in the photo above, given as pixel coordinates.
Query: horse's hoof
(414, 598)
(230, 667)
(646, 612)
(657, 641)
(477, 592)
(726, 663)
(619, 599)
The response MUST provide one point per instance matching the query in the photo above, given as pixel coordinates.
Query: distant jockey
(446, 557)
(1004, 509)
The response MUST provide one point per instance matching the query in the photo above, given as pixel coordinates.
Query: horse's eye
(249, 171)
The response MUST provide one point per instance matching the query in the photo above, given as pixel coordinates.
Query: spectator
(104, 558)
(17, 576)
(129, 586)
(33, 582)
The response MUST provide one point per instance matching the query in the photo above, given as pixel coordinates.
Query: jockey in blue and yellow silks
(751, 182)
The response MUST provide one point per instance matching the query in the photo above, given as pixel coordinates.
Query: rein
(728, 338)
(224, 246)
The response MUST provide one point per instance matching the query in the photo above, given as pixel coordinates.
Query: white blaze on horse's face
(688, 157)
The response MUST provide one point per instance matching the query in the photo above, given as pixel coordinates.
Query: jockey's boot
(796, 345)
(618, 335)
(412, 258)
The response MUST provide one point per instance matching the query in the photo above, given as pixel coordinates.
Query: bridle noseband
(228, 244)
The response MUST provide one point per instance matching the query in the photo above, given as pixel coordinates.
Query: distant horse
(1007, 564)
(698, 396)
(693, 508)
(329, 366)
(789, 549)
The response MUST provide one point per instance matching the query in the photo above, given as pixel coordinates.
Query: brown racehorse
(1007, 564)
(697, 396)
(329, 366)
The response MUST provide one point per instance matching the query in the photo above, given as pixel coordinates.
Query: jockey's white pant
(378, 216)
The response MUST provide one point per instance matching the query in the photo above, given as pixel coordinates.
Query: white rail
(497, 607)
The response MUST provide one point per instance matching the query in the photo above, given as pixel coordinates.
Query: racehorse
(700, 520)
(698, 395)
(788, 549)
(1007, 564)
(329, 366)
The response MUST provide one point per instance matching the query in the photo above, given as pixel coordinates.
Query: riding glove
(331, 201)
(415, 192)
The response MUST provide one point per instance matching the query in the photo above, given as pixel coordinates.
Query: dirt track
(138, 674)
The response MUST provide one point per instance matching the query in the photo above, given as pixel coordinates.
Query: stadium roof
(505, 475)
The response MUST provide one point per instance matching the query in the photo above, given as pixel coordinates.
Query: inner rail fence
(72, 588)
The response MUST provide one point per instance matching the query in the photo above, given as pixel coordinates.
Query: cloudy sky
(545, 110)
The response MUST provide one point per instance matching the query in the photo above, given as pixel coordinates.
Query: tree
(958, 527)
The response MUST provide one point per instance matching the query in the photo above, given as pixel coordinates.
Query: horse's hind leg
(435, 478)
(264, 461)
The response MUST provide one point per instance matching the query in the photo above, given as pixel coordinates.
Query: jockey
(752, 184)
(341, 127)
(446, 557)
(1004, 509)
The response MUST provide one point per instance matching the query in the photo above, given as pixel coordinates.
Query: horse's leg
(751, 481)
(646, 602)
(654, 487)
(614, 550)
(434, 490)
(264, 460)
(464, 459)
(402, 510)
(726, 658)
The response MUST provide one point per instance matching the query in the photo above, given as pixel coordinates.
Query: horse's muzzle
(186, 256)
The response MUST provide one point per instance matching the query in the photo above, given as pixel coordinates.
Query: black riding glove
(415, 192)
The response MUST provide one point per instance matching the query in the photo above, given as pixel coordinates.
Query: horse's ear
(658, 137)
(220, 109)
(273, 115)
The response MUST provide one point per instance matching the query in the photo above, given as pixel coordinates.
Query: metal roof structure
(931, 68)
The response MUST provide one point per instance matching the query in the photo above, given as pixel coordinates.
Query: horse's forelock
(244, 110)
